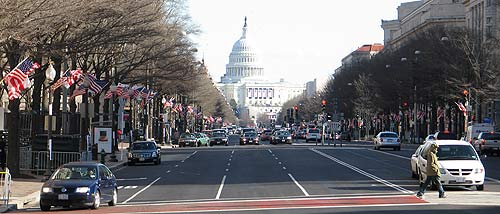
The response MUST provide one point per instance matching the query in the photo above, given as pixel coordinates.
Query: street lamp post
(114, 126)
(50, 74)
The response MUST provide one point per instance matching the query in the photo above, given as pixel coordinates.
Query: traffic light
(295, 113)
(404, 105)
(323, 105)
(465, 92)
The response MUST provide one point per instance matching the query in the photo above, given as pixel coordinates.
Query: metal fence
(36, 162)
(5, 182)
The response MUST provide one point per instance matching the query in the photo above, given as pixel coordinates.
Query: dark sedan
(79, 184)
(219, 138)
(249, 138)
(281, 137)
(143, 152)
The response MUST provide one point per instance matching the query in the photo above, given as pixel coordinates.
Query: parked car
(187, 139)
(281, 136)
(201, 139)
(144, 152)
(313, 135)
(249, 138)
(414, 162)
(79, 184)
(219, 138)
(459, 164)
(487, 142)
(387, 140)
(266, 135)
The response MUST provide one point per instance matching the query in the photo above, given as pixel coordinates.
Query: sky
(296, 40)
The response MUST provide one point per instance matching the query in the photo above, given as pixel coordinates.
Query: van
(474, 130)
(459, 164)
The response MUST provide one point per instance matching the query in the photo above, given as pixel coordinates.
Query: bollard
(103, 156)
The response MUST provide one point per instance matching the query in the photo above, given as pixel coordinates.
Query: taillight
(483, 141)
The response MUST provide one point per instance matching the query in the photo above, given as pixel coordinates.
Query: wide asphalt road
(298, 178)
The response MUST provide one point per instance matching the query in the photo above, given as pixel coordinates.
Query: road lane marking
(270, 151)
(284, 168)
(232, 152)
(130, 187)
(358, 170)
(130, 179)
(387, 153)
(300, 186)
(168, 171)
(140, 191)
(220, 188)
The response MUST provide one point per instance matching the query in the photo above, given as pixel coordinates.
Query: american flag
(169, 103)
(144, 93)
(17, 80)
(95, 85)
(68, 79)
(440, 112)
(108, 95)
(462, 108)
(79, 90)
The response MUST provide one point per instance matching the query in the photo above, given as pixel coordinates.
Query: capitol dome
(244, 62)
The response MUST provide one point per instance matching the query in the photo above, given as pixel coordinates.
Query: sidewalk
(26, 192)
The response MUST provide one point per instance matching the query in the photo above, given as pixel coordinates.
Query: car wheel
(198, 144)
(480, 187)
(45, 207)
(97, 201)
(114, 199)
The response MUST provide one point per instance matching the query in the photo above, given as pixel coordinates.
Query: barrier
(36, 162)
(5, 182)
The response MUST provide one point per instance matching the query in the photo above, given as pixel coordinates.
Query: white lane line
(300, 186)
(232, 152)
(270, 151)
(220, 188)
(227, 170)
(130, 179)
(356, 169)
(176, 165)
(229, 164)
(406, 158)
(230, 159)
(284, 168)
(140, 191)
(492, 179)
(168, 171)
(387, 153)
(276, 158)
(279, 163)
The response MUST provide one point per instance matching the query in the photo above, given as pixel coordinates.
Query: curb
(19, 202)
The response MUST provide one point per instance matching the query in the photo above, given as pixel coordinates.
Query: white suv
(459, 164)
(313, 135)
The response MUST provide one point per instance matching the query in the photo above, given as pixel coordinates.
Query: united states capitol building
(245, 82)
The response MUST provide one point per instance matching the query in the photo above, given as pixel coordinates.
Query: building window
(488, 31)
(488, 20)
(488, 3)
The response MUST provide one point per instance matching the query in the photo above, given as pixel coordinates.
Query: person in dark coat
(433, 173)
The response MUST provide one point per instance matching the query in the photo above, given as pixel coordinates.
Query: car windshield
(250, 134)
(186, 135)
(218, 134)
(143, 146)
(446, 136)
(488, 136)
(391, 135)
(456, 152)
(75, 173)
(283, 133)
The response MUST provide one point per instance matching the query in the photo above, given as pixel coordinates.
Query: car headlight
(442, 171)
(478, 170)
(224, 139)
(46, 189)
(153, 154)
(129, 154)
(289, 138)
(82, 189)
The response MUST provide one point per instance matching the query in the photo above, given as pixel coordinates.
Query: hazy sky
(297, 40)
